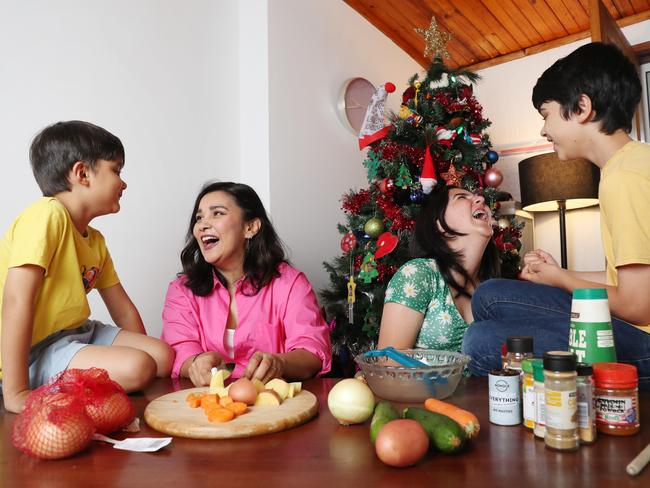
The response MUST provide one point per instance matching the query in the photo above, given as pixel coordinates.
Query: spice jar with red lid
(616, 396)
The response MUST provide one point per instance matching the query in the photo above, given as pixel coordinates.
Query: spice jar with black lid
(560, 395)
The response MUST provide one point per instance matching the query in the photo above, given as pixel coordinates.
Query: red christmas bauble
(493, 177)
(349, 242)
(386, 185)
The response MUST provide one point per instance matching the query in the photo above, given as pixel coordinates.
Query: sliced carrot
(193, 400)
(467, 420)
(224, 401)
(220, 415)
(237, 408)
(209, 399)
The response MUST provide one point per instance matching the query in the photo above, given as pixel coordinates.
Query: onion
(351, 401)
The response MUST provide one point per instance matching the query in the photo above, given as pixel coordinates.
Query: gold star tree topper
(434, 40)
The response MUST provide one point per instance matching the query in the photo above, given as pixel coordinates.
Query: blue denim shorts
(54, 353)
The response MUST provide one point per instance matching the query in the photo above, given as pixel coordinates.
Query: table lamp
(548, 184)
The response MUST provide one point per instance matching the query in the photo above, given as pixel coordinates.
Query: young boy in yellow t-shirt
(50, 258)
(587, 101)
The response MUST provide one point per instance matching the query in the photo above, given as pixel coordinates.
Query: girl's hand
(200, 371)
(264, 366)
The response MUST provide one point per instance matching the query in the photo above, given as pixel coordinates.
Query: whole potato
(401, 443)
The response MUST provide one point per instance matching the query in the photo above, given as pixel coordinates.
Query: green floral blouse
(419, 286)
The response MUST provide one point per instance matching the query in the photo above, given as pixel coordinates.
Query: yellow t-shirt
(44, 235)
(624, 195)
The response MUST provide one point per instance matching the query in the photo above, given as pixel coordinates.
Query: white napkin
(136, 444)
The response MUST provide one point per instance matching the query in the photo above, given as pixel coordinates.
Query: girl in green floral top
(427, 301)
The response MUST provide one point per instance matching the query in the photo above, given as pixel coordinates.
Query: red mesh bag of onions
(53, 425)
(60, 417)
(105, 401)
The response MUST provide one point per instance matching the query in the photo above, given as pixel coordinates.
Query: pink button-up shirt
(283, 316)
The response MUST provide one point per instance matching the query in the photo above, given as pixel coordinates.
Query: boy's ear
(79, 173)
(585, 109)
(252, 228)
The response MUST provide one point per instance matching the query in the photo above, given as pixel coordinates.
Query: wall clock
(354, 98)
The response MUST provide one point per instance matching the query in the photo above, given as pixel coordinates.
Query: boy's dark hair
(604, 74)
(264, 250)
(430, 242)
(56, 149)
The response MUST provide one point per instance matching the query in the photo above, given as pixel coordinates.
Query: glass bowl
(438, 379)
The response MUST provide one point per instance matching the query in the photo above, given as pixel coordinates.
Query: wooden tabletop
(323, 453)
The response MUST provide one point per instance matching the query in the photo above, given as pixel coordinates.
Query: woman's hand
(264, 366)
(200, 369)
(543, 273)
(539, 256)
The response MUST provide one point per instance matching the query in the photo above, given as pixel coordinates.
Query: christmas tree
(436, 138)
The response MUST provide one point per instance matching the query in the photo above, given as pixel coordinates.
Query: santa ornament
(373, 127)
(428, 177)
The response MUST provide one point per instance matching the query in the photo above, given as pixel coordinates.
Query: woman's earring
(248, 244)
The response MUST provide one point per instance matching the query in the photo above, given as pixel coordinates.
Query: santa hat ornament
(373, 127)
(428, 177)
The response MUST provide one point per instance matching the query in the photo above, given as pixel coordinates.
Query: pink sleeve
(304, 324)
(180, 325)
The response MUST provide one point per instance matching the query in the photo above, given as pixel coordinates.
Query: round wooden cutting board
(172, 415)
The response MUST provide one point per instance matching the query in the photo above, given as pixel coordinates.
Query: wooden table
(323, 453)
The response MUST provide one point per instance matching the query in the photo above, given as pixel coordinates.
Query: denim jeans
(503, 308)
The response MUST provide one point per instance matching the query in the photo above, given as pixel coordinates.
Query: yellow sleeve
(36, 234)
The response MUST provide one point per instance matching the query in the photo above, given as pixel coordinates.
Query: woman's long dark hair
(264, 251)
(428, 241)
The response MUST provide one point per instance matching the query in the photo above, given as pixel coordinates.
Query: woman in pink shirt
(238, 300)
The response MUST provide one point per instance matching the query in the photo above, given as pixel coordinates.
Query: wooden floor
(323, 453)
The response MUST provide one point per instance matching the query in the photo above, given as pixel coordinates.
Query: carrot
(220, 414)
(193, 400)
(209, 399)
(237, 408)
(467, 420)
(224, 401)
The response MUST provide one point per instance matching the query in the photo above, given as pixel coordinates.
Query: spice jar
(540, 405)
(561, 401)
(518, 349)
(504, 397)
(586, 408)
(528, 393)
(617, 398)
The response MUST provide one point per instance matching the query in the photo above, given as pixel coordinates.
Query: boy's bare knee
(164, 357)
(137, 371)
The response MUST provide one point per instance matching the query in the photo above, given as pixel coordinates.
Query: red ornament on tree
(349, 242)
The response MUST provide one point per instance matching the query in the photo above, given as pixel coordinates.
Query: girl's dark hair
(428, 241)
(264, 251)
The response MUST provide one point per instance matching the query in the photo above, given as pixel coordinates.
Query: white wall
(160, 74)
(314, 46)
(505, 92)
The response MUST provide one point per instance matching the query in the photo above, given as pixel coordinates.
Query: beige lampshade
(544, 180)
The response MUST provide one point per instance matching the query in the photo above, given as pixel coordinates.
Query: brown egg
(243, 390)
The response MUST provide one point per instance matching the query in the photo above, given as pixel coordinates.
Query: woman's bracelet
(196, 356)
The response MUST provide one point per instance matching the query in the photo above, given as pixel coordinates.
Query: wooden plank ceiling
(489, 32)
